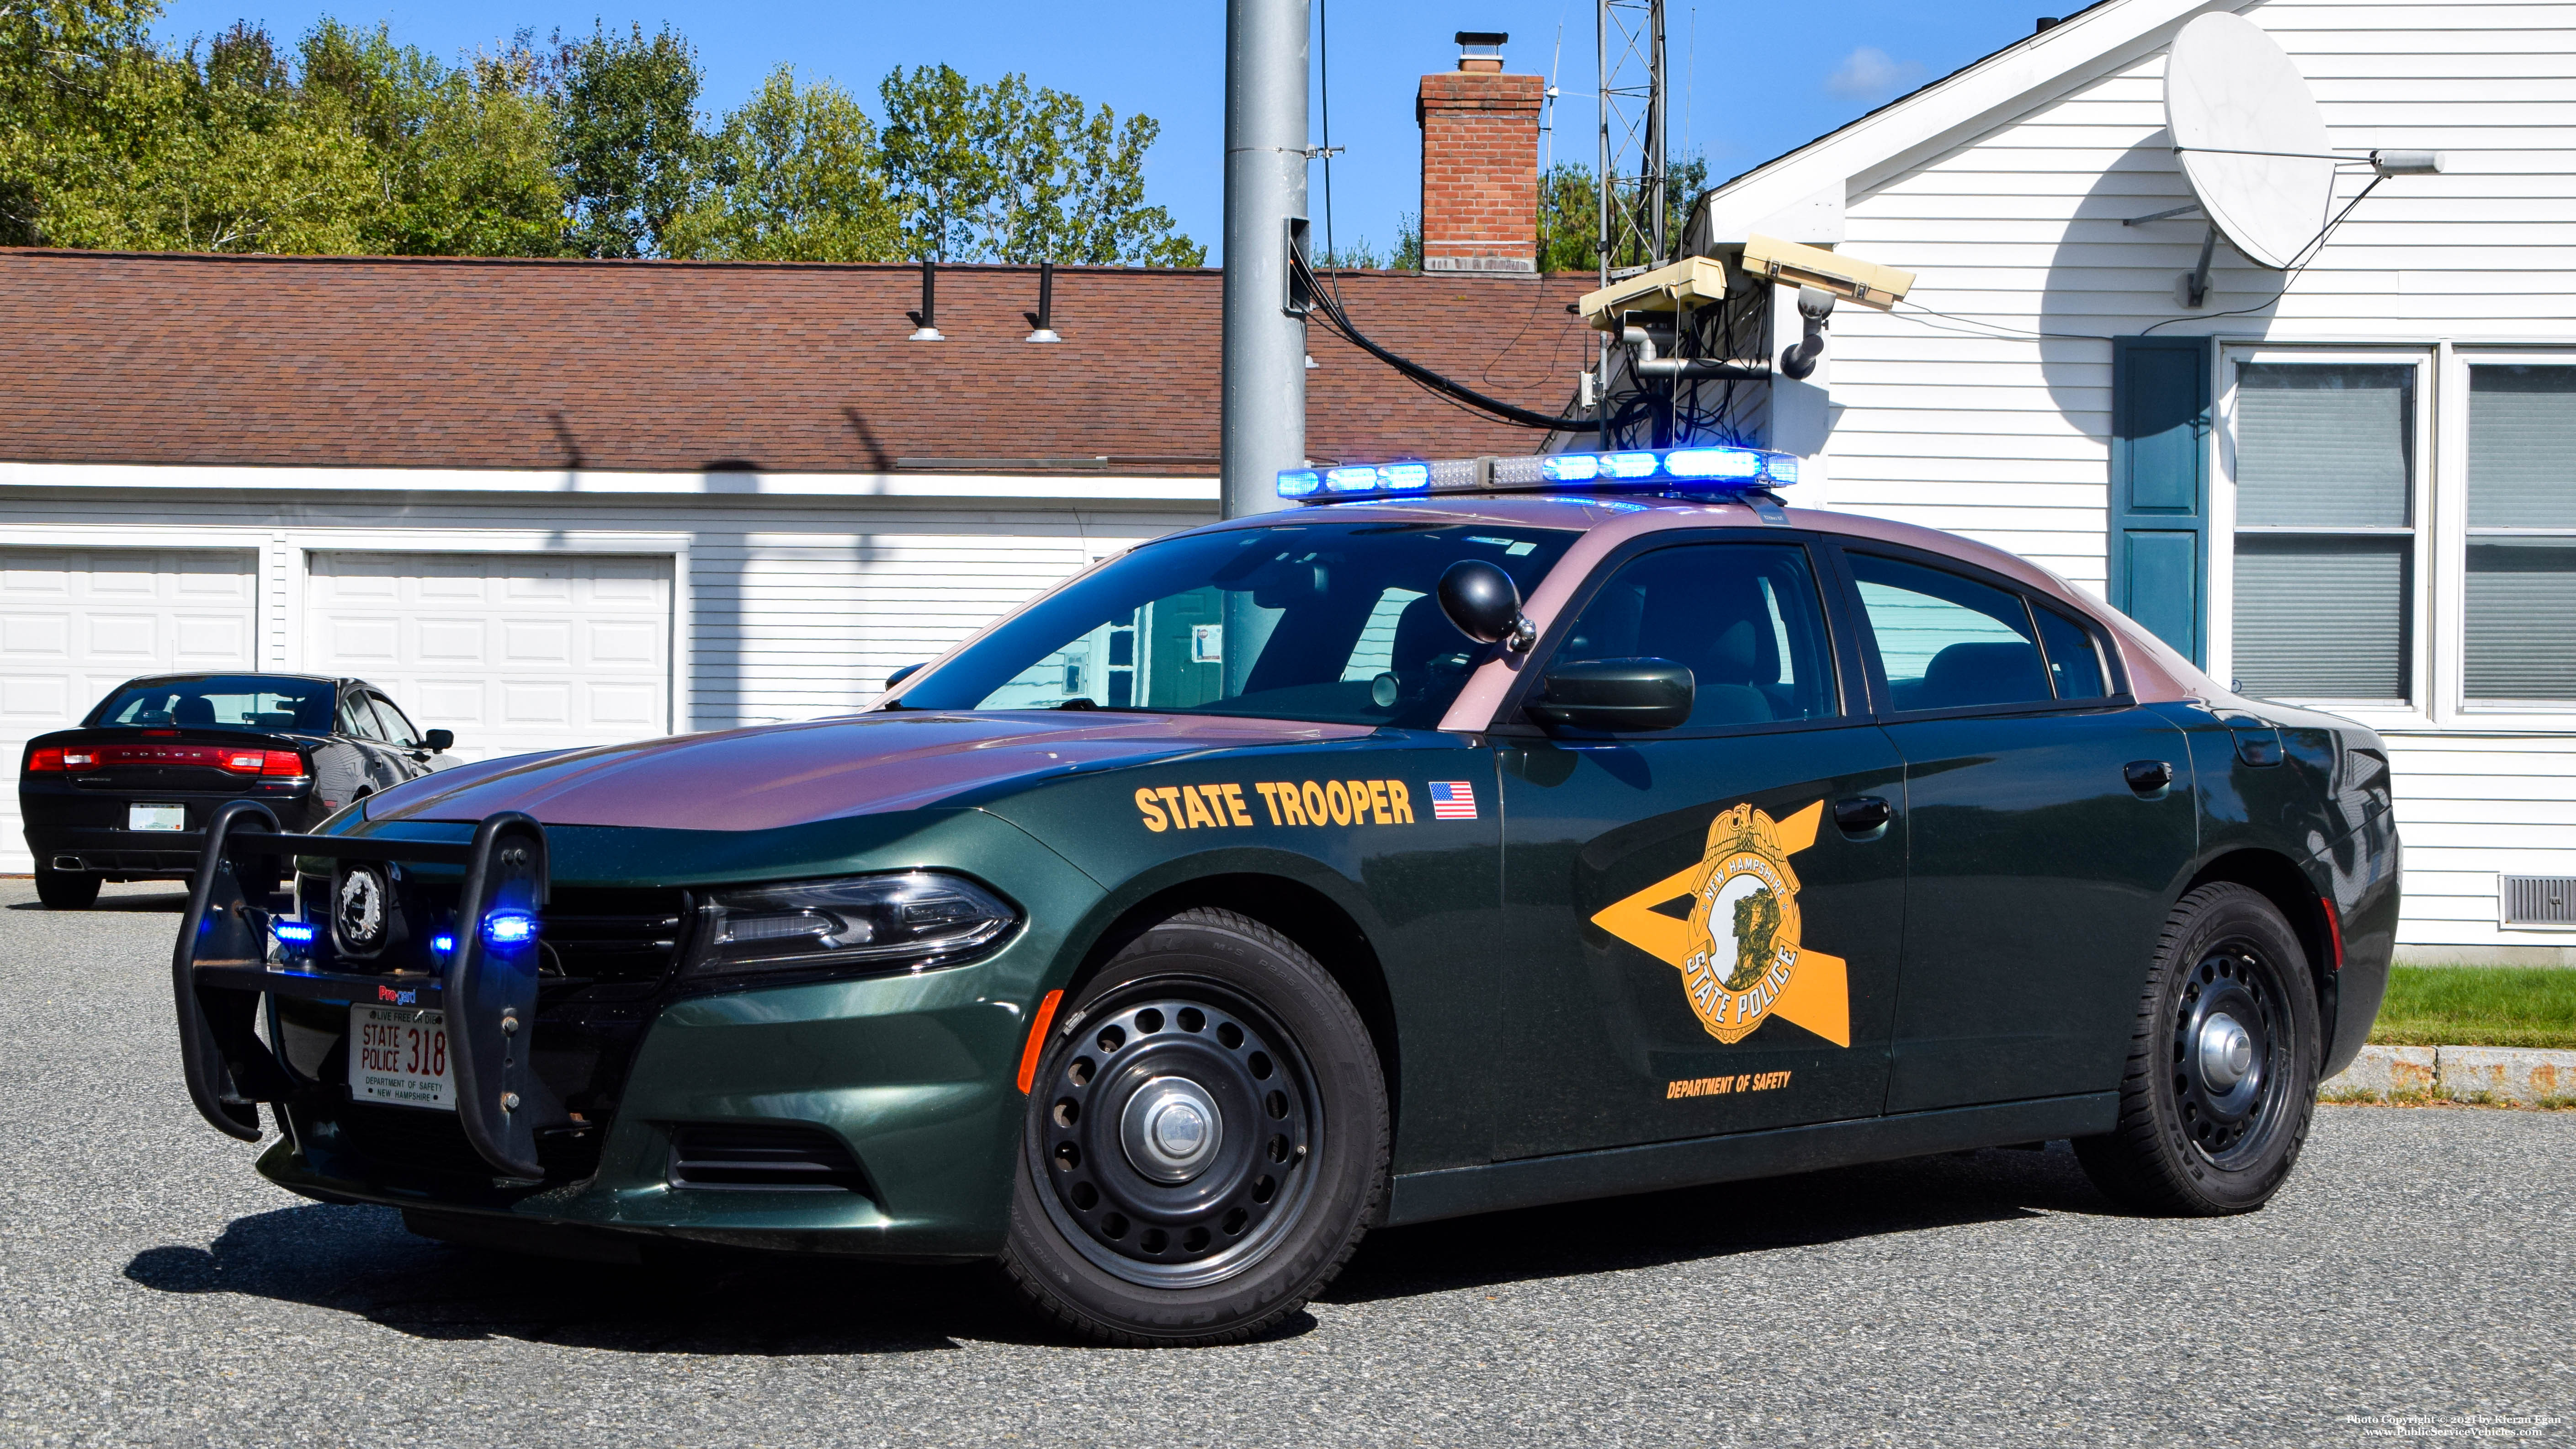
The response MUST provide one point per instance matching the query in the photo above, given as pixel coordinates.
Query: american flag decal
(1453, 800)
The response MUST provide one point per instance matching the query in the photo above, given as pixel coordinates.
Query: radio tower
(1635, 233)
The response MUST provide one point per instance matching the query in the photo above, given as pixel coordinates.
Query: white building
(2357, 490)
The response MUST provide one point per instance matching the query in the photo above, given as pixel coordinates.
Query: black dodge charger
(101, 799)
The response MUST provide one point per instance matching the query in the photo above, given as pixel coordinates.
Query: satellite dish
(2250, 138)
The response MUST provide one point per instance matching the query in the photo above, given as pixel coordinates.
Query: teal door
(1690, 943)
(2037, 873)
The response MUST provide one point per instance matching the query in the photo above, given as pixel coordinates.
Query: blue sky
(1748, 81)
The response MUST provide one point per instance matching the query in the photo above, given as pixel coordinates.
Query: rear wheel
(2222, 1071)
(65, 890)
(1206, 1140)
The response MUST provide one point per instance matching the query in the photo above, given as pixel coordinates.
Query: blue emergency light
(1692, 470)
(293, 933)
(509, 928)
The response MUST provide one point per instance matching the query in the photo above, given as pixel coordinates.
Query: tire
(1129, 1229)
(2191, 1142)
(66, 890)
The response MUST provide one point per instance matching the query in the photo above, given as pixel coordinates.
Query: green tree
(795, 175)
(633, 151)
(465, 156)
(1014, 173)
(1569, 212)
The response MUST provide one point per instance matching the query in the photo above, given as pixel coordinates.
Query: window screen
(2520, 610)
(1948, 642)
(2325, 482)
(1745, 618)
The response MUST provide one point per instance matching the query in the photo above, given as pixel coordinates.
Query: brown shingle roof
(456, 363)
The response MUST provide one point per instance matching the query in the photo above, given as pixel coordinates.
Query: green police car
(1475, 834)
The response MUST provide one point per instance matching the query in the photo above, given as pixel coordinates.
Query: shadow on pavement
(684, 1299)
(159, 903)
(1691, 1224)
(359, 1260)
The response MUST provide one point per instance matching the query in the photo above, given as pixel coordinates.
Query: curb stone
(2518, 1075)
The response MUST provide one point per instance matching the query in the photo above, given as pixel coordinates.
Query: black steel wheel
(2222, 1068)
(1206, 1140)
(66, 890)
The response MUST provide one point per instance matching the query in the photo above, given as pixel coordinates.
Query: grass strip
(2502, 1006)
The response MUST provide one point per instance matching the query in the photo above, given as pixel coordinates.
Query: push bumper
(910, 1077)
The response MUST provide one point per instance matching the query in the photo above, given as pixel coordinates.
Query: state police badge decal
(1742, 953)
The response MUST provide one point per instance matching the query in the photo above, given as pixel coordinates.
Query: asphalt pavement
(2415, 1283)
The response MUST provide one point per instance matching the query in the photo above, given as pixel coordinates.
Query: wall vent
(2543, 901)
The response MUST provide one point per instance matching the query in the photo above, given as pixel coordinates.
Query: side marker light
(1038, 1025)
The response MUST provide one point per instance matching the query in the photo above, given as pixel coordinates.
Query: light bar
(1636, 470)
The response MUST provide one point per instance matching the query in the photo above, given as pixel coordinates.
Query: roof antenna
(1043, 319)
(925, 329)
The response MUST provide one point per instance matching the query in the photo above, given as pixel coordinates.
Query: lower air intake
(767, 1157)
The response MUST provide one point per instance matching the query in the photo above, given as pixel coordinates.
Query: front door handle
(2148, 776)
(1862, 814)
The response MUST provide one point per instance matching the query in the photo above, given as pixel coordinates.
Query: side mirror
(439, 741)
(902, 673)
(1485, 605)
(1615, 694)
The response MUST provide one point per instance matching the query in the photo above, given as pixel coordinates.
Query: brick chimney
(1480, 162)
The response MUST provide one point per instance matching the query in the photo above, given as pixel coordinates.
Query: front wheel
(66, 890)
(2222, 1071)
(1206, 1140)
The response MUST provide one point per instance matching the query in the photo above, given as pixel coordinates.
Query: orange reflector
(1037, 1039)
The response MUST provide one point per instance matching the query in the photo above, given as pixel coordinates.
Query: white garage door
(514, 652)
(76, 623)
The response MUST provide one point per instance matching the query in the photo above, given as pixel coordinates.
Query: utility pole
(1265, 194)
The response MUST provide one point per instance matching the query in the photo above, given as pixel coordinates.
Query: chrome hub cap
(1171, 1129)
(2226, 1052)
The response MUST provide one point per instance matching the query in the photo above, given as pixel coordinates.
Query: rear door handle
(1862, 814)
(2148, 776)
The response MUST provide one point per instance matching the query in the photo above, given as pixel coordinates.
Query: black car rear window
(221, 701)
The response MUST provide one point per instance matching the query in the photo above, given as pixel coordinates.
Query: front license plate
(156, 817)
(399, 1055)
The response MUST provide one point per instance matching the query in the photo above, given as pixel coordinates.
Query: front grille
(768, 1156)
(613, 935)
(2537, 900)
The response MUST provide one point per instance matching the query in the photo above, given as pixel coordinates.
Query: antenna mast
(1634, 234)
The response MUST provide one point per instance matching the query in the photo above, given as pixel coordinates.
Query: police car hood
(793, 774)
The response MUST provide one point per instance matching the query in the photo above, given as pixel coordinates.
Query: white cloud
(1869, 73)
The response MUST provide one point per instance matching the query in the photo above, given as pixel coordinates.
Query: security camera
(1798, 362)
(1790, 265)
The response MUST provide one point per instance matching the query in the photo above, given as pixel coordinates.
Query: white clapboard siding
(2005, 437)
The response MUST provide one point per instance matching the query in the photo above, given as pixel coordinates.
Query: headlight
(864, 923)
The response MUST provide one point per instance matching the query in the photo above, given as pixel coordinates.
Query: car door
(1690, 943)
(405, 754)
(2037, 873)
(372, 752)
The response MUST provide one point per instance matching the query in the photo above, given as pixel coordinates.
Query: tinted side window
(1744, 617)
(359, 721)
(1948, 642)
(396, 728)
(2074, 659)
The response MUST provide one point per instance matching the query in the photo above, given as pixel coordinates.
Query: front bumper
(910, 1078)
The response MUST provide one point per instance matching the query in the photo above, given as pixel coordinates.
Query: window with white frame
(2326, 548)
(2518, 609)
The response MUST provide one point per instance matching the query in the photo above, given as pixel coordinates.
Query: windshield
(222, 701)
(1325, 621)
